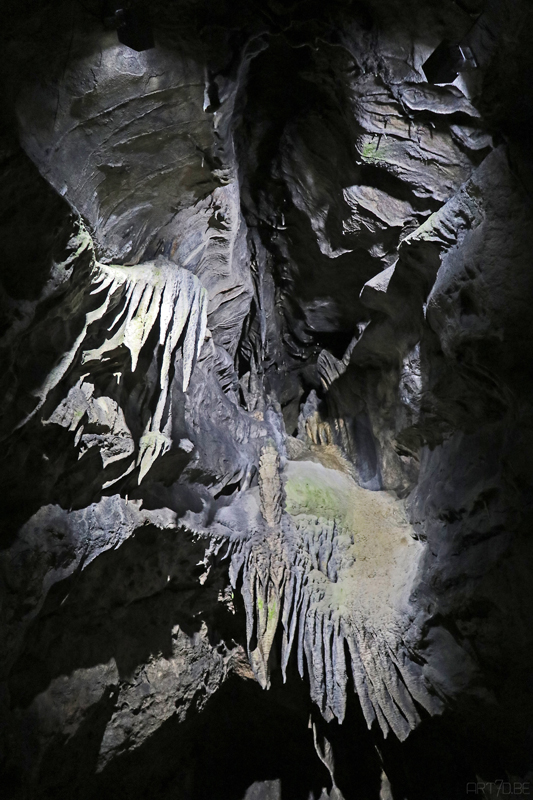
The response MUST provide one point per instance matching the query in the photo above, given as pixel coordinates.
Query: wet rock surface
(266, 410)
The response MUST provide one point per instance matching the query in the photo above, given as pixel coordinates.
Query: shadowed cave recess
(266, 400)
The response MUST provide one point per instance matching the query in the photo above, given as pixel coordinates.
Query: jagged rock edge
(143, 294)
(389, 692)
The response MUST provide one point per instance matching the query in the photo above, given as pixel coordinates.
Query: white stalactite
(143, 295)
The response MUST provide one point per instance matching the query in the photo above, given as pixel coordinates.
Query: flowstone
(337, 573)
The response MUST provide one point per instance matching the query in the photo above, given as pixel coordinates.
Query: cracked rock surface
(265, 404)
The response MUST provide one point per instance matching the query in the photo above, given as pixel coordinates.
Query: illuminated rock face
(266, 404)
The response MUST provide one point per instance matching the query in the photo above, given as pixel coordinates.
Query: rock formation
(266, 400)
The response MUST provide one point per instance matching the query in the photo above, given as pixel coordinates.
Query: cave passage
(266, 421)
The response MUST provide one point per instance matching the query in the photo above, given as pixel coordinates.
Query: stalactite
(153, 291)
(287, 574)
(141, 296)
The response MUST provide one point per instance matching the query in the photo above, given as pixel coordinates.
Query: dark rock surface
(266, 412)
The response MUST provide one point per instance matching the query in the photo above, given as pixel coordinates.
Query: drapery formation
(131, 302)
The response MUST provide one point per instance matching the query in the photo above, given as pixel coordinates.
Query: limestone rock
(265, 402)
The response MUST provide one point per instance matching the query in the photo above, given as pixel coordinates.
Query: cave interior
(266, 406)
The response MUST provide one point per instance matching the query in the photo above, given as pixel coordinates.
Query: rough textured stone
(266, 413)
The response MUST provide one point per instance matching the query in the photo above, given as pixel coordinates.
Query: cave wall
(266, 409)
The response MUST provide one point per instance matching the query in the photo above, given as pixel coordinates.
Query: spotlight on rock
(132, 24)
(447, 61)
